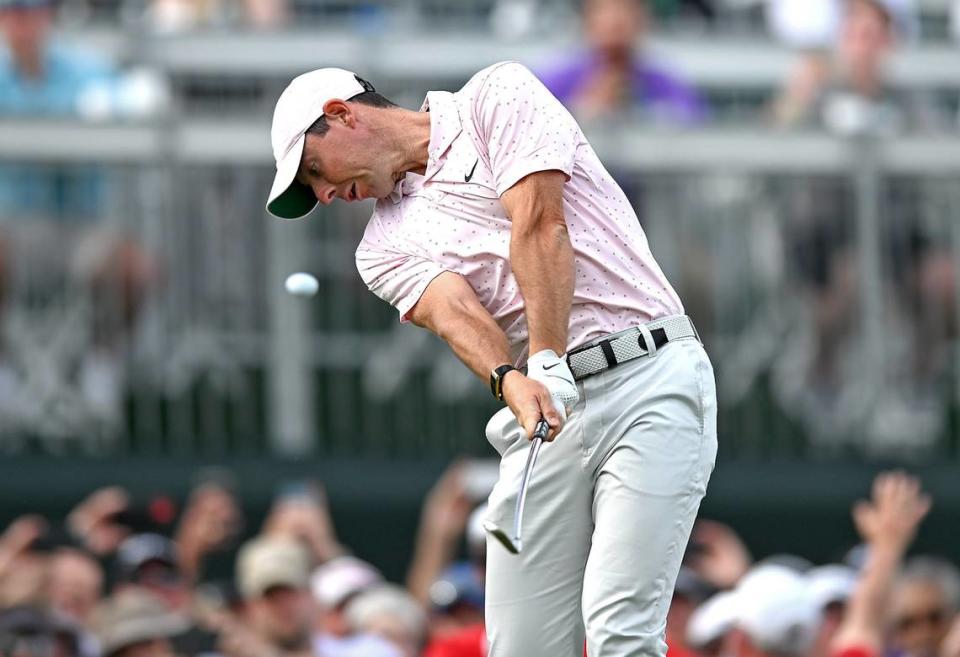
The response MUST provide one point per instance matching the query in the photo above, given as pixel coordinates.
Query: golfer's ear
(338, 111)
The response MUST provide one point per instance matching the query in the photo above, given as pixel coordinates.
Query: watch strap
(496, 380)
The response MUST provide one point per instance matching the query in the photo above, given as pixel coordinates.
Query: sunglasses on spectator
(911, 621)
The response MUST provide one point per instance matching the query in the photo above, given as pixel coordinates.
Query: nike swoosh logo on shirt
(467, 177)
(550, 367)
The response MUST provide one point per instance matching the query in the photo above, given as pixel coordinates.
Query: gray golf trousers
(608, 514)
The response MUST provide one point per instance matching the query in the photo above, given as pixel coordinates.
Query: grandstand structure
(221, 361)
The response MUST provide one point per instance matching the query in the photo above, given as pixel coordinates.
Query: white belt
(618, 348)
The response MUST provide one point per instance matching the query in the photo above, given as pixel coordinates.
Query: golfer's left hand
(551, 371)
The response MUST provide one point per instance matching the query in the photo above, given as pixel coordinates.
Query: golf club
(515, 543)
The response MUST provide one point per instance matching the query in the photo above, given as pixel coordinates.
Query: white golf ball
(302, 284)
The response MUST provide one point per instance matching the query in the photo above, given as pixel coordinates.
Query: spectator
(150, 563)
(831, 587)
(443, 521)
(457, 598)
(388, 611)
(614, 75)
(849, 92)
(923, 606)
(771, 613)
(41, 78)
(33, 632)
(334, 585)
(136, 624)
(47, 214)
(38, 77)
(74, 583)
(887, 524)
(211, 522)
(272, 576)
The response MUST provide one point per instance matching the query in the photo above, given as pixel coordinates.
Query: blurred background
(795, 164)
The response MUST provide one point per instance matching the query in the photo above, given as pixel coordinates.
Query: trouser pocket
(503, 430)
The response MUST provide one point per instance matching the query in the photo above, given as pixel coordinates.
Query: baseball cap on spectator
(772, 604)
(340, 579)
(299, 106)
(459, 584)
(264, 563)
(791, 562)
(712, 619)
(132, 617)
(391, 612)
(777, 610)
(31, 626)
(140, 549)
(831, 584)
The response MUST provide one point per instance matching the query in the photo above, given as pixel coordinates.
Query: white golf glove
(552, 371)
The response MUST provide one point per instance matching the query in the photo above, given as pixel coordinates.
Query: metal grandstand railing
(822, 272)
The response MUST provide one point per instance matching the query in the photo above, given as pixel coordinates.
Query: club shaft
(538, 436)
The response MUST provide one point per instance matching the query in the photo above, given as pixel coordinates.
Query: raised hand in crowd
(17, 538)
(717, 554)
(211, 521)
(443, 521)
(304, 515)
(93, 521)
(887, 523)
(22, 572)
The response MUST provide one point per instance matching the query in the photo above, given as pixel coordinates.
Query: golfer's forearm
(477, 341)
(542, 261)
(450, 308)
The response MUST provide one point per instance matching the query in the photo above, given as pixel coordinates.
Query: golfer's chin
(381, 191)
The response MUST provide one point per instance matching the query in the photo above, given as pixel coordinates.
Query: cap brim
(290, 199)
(136, 630)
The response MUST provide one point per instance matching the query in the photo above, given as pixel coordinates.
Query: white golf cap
(772, 604)
(299, 106)
(713, 619)
(341, 578)
(831, 583)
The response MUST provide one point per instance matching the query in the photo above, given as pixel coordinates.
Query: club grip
(541, 430)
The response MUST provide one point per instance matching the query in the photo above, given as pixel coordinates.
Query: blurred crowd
(112, 580)
(76, 276)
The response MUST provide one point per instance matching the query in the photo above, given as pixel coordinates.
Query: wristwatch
(496, 380)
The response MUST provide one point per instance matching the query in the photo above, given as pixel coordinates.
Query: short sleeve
(398, 278)
(525, 128)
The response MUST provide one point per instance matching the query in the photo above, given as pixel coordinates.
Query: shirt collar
(445, 126)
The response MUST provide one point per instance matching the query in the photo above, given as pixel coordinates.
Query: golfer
(497, 228)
